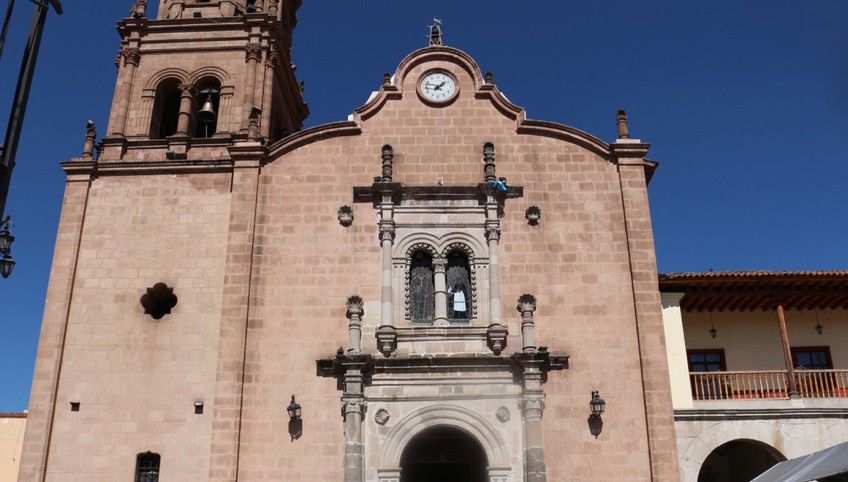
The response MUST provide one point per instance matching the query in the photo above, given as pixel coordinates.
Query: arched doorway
(738, 461)
(444, 454)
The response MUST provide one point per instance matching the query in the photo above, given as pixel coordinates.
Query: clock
(438, 87)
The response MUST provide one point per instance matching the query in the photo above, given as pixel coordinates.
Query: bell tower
(201, 75)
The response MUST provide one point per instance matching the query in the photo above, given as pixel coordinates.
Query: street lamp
(597, 405)
(7, 264)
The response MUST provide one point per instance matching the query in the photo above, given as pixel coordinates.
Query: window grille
(422, 291)
(459, 293)
(147, 467)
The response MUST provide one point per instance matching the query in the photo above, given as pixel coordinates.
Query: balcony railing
(762, 384)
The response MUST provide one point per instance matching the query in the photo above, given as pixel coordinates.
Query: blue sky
(745, 104)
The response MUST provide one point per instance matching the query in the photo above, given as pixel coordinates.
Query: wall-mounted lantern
(597, 405)
(7, 264)
(294, 410)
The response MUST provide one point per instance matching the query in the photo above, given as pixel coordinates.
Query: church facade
(436, 287)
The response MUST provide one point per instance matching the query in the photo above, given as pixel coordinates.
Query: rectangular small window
(812, 357)
(706, 360)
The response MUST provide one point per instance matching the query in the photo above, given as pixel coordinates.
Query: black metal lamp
(597, 405)
(294, 410)
(7, 264)
(6, 240)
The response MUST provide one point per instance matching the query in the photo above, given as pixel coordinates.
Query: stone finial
(140, 9)
(272, 8)
(526, 306)
(388, 156)
(621, 117)
(253, 124)
(345, 214)
(354, 305)
(533, 215)
(489, 162)
(355, 310)
(489, 78)
(387, 79)
(90, 136)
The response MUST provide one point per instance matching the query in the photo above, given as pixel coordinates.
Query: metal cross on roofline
(436, 32)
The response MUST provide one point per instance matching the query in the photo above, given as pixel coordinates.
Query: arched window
(166, 109)
(421, 288)
(459, 287)
(208, 106)
(147, 467)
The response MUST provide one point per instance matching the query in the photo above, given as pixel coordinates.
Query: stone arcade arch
(739, 460)
(443, 417)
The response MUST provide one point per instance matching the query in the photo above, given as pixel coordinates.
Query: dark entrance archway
(443, 454)
(738, 461)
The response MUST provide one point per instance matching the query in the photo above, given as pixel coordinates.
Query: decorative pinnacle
(621, 117)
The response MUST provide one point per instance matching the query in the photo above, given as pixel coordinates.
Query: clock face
(438, 87)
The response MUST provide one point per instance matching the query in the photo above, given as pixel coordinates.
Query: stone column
(533, 398)
(253, 52)
(354, 407)
(526, 306)
(354, 331)
(271, 63)
(791, 384)
(533, 405)
(187, 93)
(493, 235)
(440, 284)
(354, 414)
(386, 333)
(132, 57)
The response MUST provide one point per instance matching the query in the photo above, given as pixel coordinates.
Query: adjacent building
(759, 367)
(11, 442)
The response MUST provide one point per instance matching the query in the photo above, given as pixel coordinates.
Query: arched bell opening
(166, 109)
(446, 454)
(739, 461)
(208, 107)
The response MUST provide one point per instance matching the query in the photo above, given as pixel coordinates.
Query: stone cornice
(758, 414)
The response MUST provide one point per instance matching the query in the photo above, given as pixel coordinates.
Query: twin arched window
(452, 274)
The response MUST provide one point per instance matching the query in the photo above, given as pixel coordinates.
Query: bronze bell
(207, 113)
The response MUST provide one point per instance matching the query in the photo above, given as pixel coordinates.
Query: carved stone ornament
(382, 416)
(253, 51)
(526, 304)
(496, 336)
(345, 215)
(533, 215)
(131, 56)
(354, 306)
(503, 414)
(158, 301)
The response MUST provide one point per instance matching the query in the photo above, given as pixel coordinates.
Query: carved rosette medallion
(503, 414)
(382, 416)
